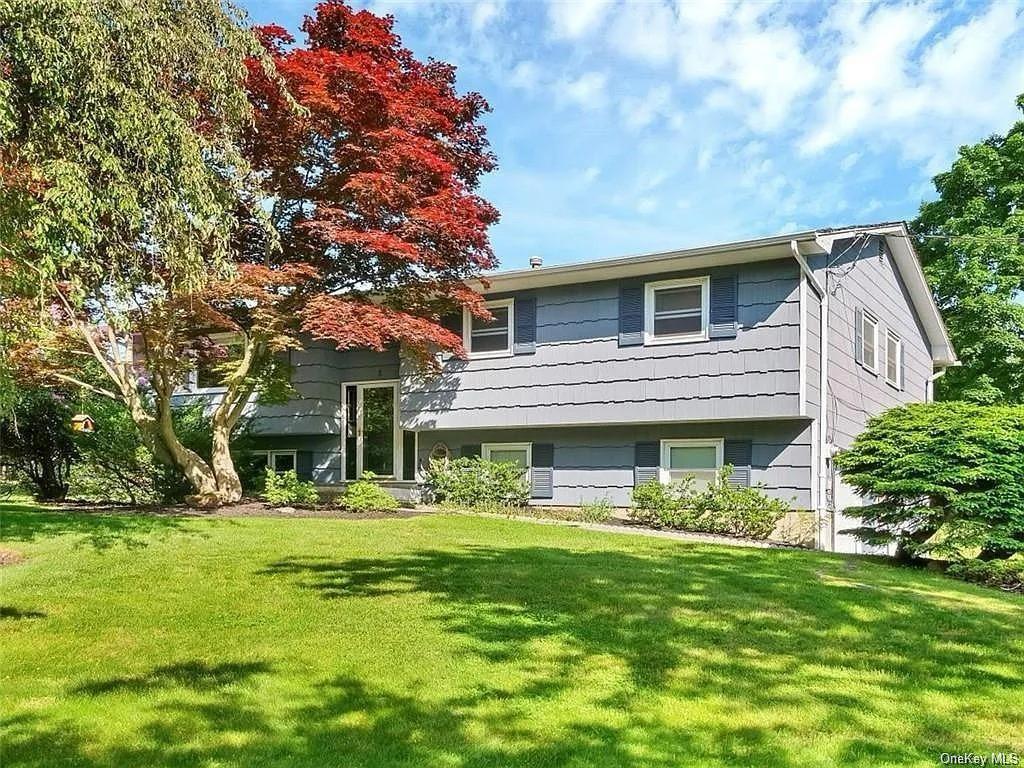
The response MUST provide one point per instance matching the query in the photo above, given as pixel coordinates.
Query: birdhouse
(83, 422)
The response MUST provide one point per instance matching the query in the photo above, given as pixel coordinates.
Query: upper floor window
(697, 459)
(676, 310)
(893, 351)
(869, 341)
(209, 373)
(489, 338)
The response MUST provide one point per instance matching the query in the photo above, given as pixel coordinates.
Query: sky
(633, 127)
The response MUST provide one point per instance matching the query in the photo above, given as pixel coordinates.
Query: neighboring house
(598, 376)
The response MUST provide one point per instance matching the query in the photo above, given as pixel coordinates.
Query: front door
(373, 446)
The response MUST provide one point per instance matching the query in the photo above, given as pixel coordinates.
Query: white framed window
(517, 453)
(489, 338)
(893, 352)
(676, 310)
(699, 459)
(205, 377)
(279, 461)
(869, 341)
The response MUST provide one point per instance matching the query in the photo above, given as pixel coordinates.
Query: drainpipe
(936, 375)
(822, 291)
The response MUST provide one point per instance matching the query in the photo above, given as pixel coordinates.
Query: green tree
(971, 242)
(946, 477)
(121, 183)
(36, 441)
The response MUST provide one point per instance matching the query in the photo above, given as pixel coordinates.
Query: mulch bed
(248, 508)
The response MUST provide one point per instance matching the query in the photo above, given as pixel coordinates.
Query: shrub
(597, 511)
(36, 441)
(477, 482)
(286, 488)
(364, 495)
(1005, 574)
(946, 478)
(720, 508)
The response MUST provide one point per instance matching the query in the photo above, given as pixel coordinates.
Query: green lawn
(460, 641)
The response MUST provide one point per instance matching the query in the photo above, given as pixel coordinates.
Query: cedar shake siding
(581, 373)
(598, 462)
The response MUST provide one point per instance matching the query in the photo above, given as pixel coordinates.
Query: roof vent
(536, 262)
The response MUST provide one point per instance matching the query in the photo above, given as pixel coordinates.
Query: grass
(467, 641)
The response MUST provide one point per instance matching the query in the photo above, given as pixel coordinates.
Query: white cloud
(590, 174)
(646, 205)
(657, 104)
(917, 90)
(524, 75)
(484, 12)
(572, 19)
(849, 161)
(587, 91)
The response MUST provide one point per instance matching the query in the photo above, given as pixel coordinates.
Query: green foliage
(114, 465)
(286, 488)
(720, 508)
(477, 482)
(129, 115)
(1005, 574)
(946, 477)
(972, 248)
(36, 442)
(194, 430)
(364, 495)
(597, 511)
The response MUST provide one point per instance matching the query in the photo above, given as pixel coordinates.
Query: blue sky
(629, 127)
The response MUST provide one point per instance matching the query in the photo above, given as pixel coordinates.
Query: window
(489, 338)
(516, 453)
(229, 346)
(676, 310)
(869, 341)
(893, 351)
(280, 461)
(699, 459)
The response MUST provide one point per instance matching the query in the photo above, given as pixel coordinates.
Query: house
(599, 376)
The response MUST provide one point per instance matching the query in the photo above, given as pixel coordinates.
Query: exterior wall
(858, 278)
(580, 375)
(318, 372)
(592, 463)
(812, 318)
(325, 449)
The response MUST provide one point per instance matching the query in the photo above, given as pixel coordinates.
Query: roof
(743, 251)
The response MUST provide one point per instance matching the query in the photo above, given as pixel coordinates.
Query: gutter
(822, 454)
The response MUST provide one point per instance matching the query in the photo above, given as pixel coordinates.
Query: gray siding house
(766, 354)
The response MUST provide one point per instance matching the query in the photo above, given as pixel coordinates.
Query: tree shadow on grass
(97, 529)
(10, 612)
(764, 630)
(196, 675)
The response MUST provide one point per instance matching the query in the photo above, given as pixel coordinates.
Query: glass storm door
(376, 423)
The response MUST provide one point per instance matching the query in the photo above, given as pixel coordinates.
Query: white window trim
(192, 381)
(467, 330)
(398, 457)
(866, 315)
(705, 310)
(892, 335)
(717, 443)
(487, 448)
(272, 457)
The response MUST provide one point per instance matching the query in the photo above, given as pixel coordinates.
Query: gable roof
(897, 237)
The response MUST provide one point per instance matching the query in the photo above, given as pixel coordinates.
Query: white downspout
(821, 503)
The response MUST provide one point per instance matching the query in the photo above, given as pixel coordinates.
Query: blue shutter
(724, 310)
(631, 315)
(525, 339)
(903, 366)
(646, 462)
(858, 335)
(304, 465)
(739, 454)
(409, 459)
(470, 450)
(542, 471)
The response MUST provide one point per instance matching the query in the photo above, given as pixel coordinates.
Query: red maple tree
(374, 181)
